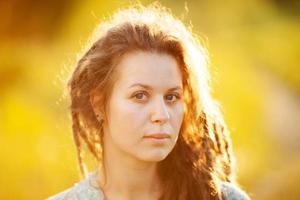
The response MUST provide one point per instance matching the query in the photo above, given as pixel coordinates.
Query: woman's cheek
(132, 116)
(136, 111)
(178, 118)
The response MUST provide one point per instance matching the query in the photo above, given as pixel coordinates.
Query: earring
(99, 118)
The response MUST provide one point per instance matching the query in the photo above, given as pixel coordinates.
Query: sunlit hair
(201, 158)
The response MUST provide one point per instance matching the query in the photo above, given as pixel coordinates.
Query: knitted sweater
(88, 189)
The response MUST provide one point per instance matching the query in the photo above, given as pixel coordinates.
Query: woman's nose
(160, 112)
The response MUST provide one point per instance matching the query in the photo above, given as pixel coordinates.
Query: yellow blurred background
(254, 49)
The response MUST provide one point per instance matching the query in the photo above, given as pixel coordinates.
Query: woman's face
(145, 111)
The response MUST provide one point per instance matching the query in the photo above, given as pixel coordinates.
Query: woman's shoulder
(84, 189)
(233, 192)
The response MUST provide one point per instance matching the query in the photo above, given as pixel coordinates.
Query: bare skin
(134, 112)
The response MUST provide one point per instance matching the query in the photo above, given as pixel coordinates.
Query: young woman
(140, 101)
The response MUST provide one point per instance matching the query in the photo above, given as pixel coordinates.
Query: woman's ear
(95, 102)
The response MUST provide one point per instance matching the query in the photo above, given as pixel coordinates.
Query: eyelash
(177, 96)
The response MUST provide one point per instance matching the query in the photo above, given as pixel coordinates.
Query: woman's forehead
(149, 69)
(149, 87)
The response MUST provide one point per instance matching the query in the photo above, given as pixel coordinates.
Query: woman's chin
(155, 156)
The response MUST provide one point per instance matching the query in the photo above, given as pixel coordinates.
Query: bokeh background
(254, 49)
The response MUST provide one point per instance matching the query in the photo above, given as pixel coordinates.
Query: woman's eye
(139, 95)
(143, 95)
(172, 97)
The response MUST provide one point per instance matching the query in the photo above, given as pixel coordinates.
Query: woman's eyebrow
(150, 88)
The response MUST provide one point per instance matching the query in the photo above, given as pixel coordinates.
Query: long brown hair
(202, 155)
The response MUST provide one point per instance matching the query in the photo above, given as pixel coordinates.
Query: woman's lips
(158, 135)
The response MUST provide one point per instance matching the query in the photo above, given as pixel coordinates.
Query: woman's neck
(126, 178)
